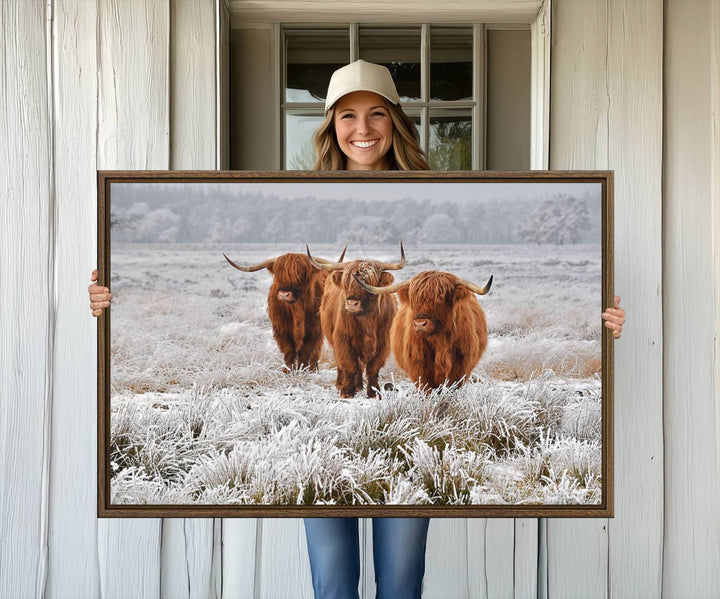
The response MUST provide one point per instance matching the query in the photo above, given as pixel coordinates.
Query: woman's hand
(99, 296)
(615, 318)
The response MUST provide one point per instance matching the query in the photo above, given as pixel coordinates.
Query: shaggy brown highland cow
(294, 305)
(357, 323)
(440, 331)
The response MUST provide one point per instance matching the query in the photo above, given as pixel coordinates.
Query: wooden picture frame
(198, 415)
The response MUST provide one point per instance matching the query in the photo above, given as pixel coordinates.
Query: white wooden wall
(607, 112)
(635, 87)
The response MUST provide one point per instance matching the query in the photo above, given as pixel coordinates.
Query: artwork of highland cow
(451, 357)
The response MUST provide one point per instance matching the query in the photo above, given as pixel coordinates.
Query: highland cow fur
(296, 323)
(360, 340)
(456, 335)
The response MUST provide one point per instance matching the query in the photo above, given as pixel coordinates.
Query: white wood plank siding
(239, 558)
(577, 550)
(446, 558)
(133, 102)
(187, 544)
(491, 556)
(187, 559)
(692, 399)
(73, 558)
(607, 113)
(635, 49)
(129, 558)
(526, 559)
(474, 558)
(26, 301)
(193, 85)
(367, 560)
(222, 64)
(133, 130)
(540, 89)
(284, 565)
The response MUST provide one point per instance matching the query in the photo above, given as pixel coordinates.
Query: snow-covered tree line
(559, 220)
(186, 216)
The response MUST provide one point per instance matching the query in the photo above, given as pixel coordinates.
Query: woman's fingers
(615, 328)
(99, 296)
(615, 318)
(98, 293)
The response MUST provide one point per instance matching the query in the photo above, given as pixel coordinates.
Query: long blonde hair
(405, 154)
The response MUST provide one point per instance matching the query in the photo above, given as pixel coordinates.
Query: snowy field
(202, 412)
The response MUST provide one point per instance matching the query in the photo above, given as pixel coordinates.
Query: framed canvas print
(355, 344)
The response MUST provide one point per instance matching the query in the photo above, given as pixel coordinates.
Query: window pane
(311, 58)
(398, 50)
(450, 140)
(415, 117)
(299, 149)
(451, 56)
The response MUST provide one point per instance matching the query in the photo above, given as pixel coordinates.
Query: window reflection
(398, 50)
(311, 58)
(299, 149)
(450, 145)
(451, 63)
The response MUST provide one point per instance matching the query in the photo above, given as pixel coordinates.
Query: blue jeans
(398, 553)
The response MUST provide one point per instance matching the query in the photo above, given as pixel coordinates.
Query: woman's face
(364, 130)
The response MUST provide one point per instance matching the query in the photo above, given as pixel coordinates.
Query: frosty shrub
(483, 443)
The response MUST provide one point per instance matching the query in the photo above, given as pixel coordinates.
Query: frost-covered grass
(202, 412)
(487, 442)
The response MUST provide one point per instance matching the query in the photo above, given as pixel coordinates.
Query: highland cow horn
(381, 290)
(265, 264)
(396, 265)
(474, 288)
(326, 261)
(325, 264)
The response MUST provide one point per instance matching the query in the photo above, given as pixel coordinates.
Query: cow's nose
(421, 324)
(352, 304)
(285, 296)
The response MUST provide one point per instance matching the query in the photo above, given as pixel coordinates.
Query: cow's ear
(271, 268)
(460, 294)
(403, 295)
(336, 277)
(386, 279)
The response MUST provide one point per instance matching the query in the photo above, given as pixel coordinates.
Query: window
(468, 88)
(437, 71)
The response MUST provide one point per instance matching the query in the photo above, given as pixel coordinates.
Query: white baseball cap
(361, 76)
